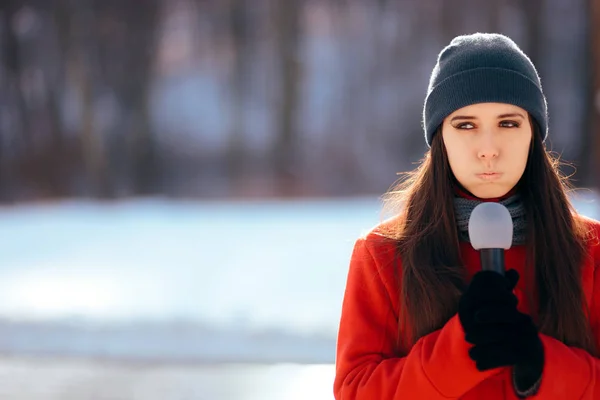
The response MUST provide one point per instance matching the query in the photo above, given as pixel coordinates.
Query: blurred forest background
(258, 98)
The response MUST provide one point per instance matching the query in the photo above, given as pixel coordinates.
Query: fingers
(489, 334)
(489, 337)
(493, 356)
(490, 284)
(488, 289)
(512, 276)
(495, 323)
(474, 302)
(496, 314)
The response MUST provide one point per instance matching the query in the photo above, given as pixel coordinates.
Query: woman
(420, 320)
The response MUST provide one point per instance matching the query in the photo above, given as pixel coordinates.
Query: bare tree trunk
(9, 89)
(450, 13)
(75, 21)
(287, 20)
(13, 64)
(126, 35)
(143, 33)
(495, 7)
(39, 158)
(533, 16)
(239, 23)
(593, 134)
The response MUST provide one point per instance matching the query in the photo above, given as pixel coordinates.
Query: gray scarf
(463, 208)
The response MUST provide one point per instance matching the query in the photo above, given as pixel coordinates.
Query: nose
(488, 148)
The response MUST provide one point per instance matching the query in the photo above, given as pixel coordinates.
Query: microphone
(491, 232)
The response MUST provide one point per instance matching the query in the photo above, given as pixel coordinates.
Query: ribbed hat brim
(483, 85)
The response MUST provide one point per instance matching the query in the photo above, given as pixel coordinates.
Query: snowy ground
(194, 281)
(177, 294)
(65, 379)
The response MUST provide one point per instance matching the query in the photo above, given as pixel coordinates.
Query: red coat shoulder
(592, 228)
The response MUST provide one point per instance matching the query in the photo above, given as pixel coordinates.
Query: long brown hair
(432, 276)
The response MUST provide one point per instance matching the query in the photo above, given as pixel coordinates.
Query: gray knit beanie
(482, 68)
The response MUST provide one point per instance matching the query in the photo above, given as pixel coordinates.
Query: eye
(510, 124)
(465, 125)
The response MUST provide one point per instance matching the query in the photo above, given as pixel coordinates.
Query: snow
(155, 279)
(249, 281)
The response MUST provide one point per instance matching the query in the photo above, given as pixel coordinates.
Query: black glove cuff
(524, 393)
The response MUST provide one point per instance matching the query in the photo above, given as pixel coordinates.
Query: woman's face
(487, 145)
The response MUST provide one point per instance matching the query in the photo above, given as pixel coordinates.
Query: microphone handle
(492, 260)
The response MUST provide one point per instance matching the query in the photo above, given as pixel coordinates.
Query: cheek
(520, 154)
(460, 168)
(460, 155)
(457, 157)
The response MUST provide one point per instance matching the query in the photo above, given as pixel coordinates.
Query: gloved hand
(501, 335)
(487, 289)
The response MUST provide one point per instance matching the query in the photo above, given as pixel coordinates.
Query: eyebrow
(462, 117)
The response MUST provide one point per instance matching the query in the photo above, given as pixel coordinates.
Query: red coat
(438, 366)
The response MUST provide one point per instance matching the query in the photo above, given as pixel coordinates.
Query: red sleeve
(437, 367)
(570, 372)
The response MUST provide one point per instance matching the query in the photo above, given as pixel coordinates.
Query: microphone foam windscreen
(490, 227)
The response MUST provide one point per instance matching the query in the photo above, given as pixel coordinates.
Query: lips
(489, 176)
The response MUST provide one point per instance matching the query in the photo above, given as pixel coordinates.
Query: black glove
(501, 335)
(504, 338)
(487, 289)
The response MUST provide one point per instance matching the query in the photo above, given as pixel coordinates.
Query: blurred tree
(110, 58)
(450, 24)
(126, 35)
(592, 135)
(39, 157)
(13, 68)
(79, 53)
(287, 43)
(14, 101)
(533, 15)
(240, 25)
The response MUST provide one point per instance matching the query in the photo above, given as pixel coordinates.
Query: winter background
(182, 181)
